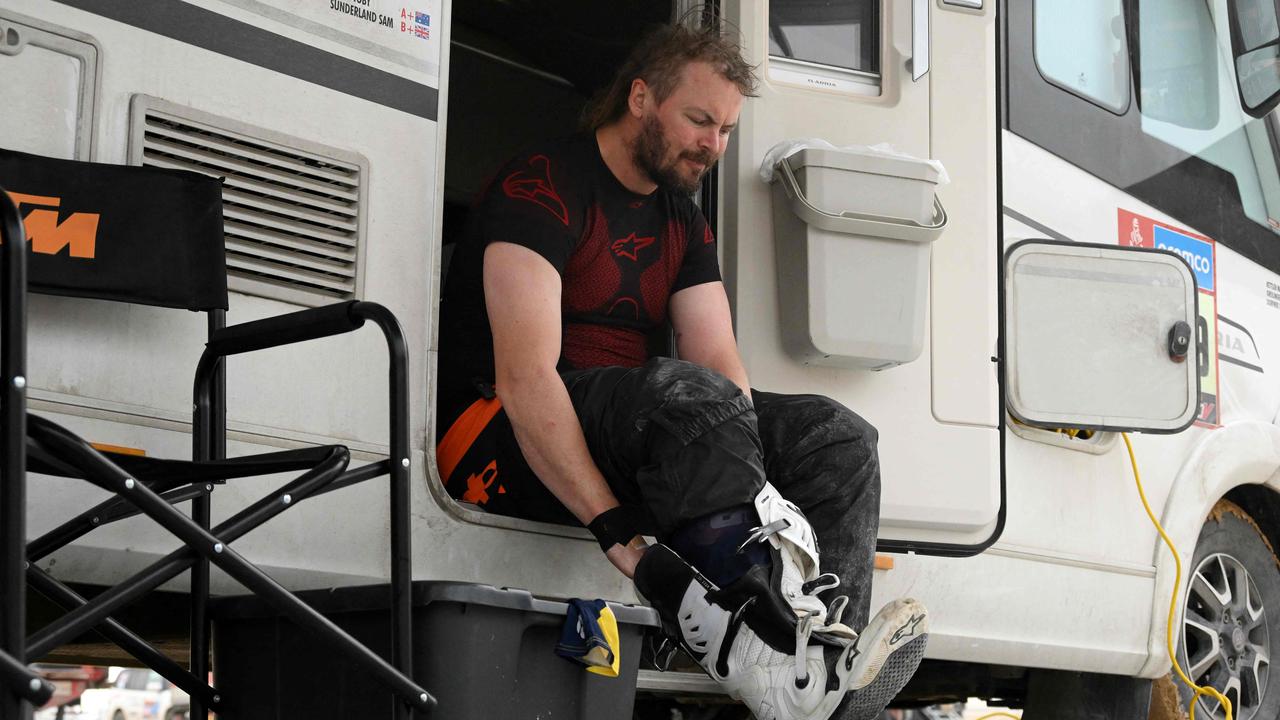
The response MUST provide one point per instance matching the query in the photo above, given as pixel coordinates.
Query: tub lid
(363, 598)
(866, 161)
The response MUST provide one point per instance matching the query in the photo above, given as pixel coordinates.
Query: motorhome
(1112, 195)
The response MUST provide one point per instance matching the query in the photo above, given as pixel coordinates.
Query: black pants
(681, 441)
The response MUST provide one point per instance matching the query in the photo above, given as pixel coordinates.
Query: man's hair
(660, 58)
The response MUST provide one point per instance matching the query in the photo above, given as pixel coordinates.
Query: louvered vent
(292, 218)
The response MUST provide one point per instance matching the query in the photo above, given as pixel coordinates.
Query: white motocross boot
(751, 643)
(885, 654)
(760, 635)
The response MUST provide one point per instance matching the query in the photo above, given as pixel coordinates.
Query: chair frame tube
(104, 513)
(322, 322)
(99, 608)
(23, 683)
(13, 450)
(140, 649)
(213, 547)
(203, 546)
(130, 642)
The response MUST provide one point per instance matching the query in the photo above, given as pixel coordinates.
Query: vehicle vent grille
(292, 218)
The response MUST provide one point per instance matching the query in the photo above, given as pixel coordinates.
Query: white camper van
(1121, 139)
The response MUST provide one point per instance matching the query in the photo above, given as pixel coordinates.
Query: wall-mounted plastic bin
(483, 652)
(853, 230)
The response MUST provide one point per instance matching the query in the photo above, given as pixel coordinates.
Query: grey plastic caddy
(853, 231)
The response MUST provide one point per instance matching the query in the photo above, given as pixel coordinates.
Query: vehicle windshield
(1189, 99)
(1169, 62)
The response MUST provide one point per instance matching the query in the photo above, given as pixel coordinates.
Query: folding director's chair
(161, 244)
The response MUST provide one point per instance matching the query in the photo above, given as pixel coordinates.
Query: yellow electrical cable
(1000, 714)
(1173, 603)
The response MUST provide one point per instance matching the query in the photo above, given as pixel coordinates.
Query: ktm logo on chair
(79, 231)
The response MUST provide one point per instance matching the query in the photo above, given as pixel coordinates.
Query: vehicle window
(51, 82)
(1189, 100)
(132, 679)
(1081, 47)
(1177, 62)
(1183, 143)
(841, 34)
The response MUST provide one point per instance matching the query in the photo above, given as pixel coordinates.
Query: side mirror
(1255, 44)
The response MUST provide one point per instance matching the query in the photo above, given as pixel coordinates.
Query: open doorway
(521, 72)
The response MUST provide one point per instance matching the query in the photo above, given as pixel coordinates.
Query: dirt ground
(1165, 703)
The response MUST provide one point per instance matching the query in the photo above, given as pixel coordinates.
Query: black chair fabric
(115, 232)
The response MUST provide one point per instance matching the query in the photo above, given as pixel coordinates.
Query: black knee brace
(714, 544)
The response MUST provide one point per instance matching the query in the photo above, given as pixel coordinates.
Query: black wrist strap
(615, 526)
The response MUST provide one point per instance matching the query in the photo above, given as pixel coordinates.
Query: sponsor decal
(405, 21)
(629, 246)
(415, 23)
(362, 10)
(1237, 346)
(77, 233)
(1199, 251)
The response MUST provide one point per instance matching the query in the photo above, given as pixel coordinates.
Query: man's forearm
(551, 440)
(729, 364)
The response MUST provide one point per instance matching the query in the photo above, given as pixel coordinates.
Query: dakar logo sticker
(535, 186)
(79, 231)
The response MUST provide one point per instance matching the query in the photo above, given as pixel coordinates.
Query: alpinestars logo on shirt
(630, 246)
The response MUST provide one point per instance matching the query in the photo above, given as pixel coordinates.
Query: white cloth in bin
(787, 148)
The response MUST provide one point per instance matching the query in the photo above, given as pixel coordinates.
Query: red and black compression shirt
(620, 257)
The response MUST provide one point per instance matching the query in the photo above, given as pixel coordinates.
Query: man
(552, 409)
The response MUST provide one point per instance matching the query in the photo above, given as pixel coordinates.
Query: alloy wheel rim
(1225, 637)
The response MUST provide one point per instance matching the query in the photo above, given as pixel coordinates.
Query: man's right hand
(625, 557)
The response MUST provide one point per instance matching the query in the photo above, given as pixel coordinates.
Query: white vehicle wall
(1070, 575)
(1083, 511)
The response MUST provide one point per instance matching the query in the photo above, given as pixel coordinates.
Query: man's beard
(650, 155)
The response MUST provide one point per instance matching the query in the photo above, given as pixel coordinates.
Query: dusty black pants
(680, 442)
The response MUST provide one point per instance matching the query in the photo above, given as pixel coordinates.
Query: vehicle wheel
(1231, 628)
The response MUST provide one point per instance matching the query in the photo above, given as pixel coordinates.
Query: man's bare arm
(704, 331)
(522, 294)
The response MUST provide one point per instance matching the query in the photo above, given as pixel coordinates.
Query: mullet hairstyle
(660, 58)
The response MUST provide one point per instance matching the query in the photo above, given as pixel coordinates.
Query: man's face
(683, 137)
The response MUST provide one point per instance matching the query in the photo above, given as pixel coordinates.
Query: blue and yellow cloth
(590, 637)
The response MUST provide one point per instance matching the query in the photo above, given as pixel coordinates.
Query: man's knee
(831, 424)
(689, 400)
(679, 381)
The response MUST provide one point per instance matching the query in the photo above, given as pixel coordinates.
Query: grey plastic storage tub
(485, 653)
(853, 231)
